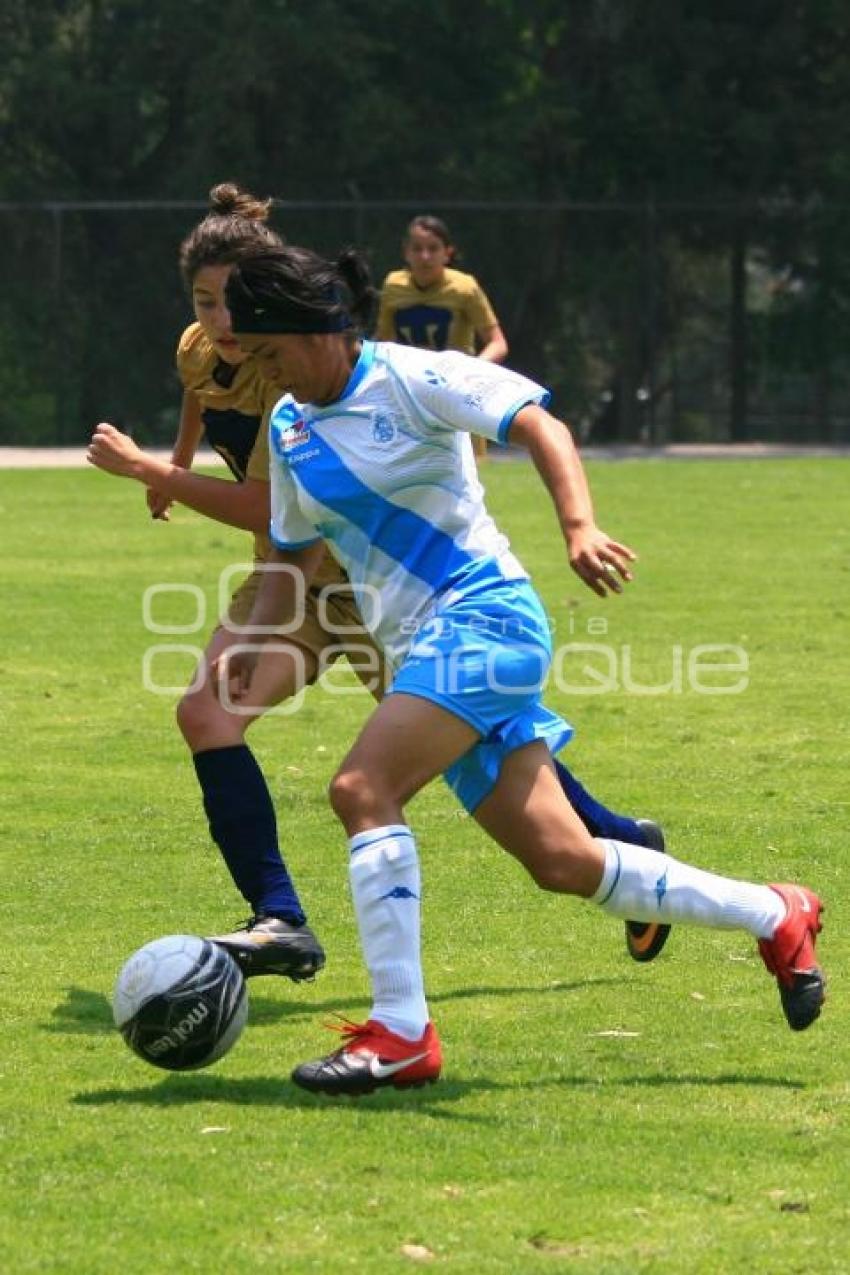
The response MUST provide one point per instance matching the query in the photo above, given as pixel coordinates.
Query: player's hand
(114, 452)
(158, 504)
(602, 563)
(232, 674)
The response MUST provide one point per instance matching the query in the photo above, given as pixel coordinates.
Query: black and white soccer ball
(180, 1002)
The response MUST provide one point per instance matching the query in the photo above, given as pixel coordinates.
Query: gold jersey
(443, 317)
(233, 399)
(235, 402)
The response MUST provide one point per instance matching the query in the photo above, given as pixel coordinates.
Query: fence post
(59, 352)
(651, 321)
(738, 369)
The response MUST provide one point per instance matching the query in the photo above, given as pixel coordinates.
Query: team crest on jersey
(383, 428)
(288, 430)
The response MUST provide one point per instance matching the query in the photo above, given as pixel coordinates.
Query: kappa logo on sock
(661, 888)
(399, 892)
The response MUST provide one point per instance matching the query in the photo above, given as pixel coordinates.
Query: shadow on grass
(280, 1092)
(85, 1012)
(436, 1101)
(81, 1013)
(725, 1078)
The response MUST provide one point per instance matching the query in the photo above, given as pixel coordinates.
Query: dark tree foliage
(703, 298)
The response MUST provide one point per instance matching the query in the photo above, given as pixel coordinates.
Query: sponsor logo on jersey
(294, 435)
(289, 430)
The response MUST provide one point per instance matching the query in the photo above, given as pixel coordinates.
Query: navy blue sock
(243, 826)
(598, 819)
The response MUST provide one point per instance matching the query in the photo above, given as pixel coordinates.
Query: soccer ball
(180, 1002)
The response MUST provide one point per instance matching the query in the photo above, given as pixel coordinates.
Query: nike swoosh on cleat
(805, 905)
(381, 1070)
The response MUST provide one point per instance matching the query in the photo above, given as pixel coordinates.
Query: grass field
(594, 1116)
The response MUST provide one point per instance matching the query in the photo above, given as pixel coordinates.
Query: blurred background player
(434, 306)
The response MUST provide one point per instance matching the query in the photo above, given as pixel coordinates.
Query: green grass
(595, 1116)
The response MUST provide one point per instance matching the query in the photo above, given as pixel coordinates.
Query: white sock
(384, 876)
(641, 885)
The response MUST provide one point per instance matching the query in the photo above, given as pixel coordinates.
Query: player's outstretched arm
(183, 453)
(244, 504)
(602, 563)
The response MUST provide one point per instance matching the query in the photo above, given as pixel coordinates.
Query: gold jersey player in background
(435, 307)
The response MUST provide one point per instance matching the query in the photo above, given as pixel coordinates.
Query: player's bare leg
(283, 671)
(275, 939)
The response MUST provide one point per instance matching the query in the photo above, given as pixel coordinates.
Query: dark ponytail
(354, 272)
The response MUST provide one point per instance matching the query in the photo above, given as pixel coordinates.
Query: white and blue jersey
(386, 475)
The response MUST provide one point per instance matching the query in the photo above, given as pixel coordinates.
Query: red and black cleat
(790, 956)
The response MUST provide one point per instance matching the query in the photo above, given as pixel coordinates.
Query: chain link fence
(651, 324)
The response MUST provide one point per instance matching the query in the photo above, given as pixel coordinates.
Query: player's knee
(352, 796)
(558, 871)
(195, 714)
(547, 876)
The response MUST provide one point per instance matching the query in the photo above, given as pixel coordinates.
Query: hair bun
(229, 200)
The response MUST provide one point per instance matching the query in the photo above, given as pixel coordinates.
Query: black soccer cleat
(270, 945)
(645, 939)
(803, 1001)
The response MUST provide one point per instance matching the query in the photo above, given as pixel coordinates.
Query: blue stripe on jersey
(289, 546)
(406, 537)
(508, 419)
(364, 362)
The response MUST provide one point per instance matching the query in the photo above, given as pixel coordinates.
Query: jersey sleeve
(384, 330)
(289, 528)
(474, 396)
(193, 356)
(481, 313)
